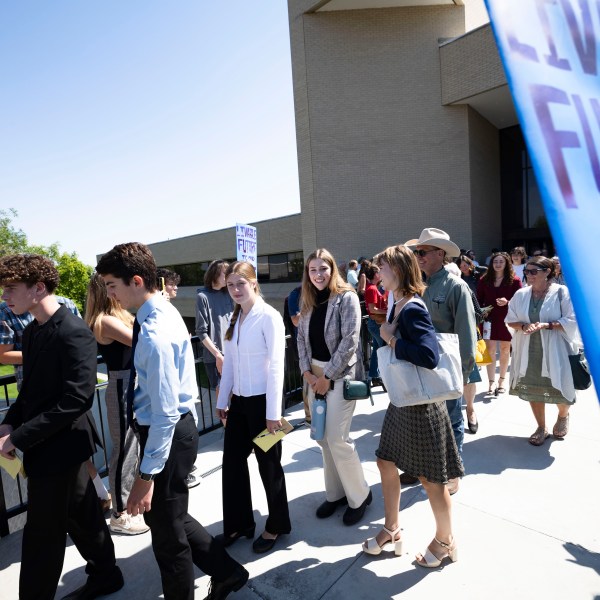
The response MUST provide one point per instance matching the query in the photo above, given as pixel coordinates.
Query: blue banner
(550, 53)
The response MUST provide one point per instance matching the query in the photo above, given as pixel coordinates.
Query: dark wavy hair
(126, 260)
(29, 269)
(509, 273)
(213, 272)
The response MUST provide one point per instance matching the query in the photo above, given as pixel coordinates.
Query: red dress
(488, 294)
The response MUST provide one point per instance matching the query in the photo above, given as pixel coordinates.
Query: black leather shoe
(406, 479)
(217, 590)
(262, 545)
(473, 427)
(192, 481)
(229, 539)
(328, 508)
(96, 587)
(354, 515)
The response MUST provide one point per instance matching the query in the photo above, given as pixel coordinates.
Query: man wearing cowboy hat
(448, 300)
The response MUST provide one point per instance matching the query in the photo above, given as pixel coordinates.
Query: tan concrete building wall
(484, 177)
(380, 157)
(470, 65)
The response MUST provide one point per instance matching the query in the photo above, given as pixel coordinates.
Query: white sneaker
(127, 524)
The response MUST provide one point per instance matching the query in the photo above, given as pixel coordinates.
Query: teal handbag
(357, 389)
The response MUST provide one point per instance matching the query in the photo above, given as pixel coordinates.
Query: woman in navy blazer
(416, 439)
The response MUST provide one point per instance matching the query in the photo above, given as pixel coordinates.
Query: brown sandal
(561, 427)
(538, 437)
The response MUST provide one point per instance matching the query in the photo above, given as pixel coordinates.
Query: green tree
(74, 274)
(11, 240)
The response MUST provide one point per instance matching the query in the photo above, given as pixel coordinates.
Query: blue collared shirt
(12, 327)
(166, 378)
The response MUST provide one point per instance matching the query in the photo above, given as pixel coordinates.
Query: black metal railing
(207, 420)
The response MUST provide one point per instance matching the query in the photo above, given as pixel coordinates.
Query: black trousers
(179, 542)
(245, 420)
(57, 505)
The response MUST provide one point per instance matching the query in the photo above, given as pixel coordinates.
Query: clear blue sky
(144, 120)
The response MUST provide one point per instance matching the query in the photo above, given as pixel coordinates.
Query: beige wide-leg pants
(343, 471)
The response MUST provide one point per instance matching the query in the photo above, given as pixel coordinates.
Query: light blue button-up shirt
(166, 378)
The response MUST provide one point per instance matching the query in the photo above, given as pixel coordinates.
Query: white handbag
(409, 385)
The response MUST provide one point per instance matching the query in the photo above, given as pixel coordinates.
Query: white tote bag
(408, 384)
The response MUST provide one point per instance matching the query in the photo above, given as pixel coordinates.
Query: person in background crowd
(352, 276)
(518, 257)
(51, 424)
(417, 439)
(558, 274)
(544, 335)
(376, 304)
(171, 281)
(540, 252)
(489, 258)
(213, 313)
(362, 280)
(495, 289)
(292, 306)
(448, 300)
(250, 400)
(163, 402)
(468, 272)
(112, 327)
(471, 255)
(328, 345)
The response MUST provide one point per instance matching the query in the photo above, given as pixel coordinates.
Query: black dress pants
(179, 542)
(245, 420)
(57, 505)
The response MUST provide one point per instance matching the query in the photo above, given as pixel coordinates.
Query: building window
(273, 268)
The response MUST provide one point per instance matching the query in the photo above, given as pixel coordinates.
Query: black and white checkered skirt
(419, 440)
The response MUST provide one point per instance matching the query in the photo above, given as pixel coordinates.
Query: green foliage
(74, 274)
(11, 240)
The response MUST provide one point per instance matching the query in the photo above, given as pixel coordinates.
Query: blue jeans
(456, 418)
(377, 343)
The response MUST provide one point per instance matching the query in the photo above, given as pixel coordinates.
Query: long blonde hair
(246, 270)
(98, 303)
(336, 284)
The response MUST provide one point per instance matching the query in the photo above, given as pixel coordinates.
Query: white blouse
(254, 359)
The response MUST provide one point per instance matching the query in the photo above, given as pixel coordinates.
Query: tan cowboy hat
(430, 236)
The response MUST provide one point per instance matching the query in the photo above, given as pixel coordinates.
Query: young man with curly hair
(51, 425)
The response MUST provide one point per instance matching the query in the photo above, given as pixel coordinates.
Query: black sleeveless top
(116, 355)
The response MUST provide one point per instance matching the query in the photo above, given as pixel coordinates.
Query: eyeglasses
(423, 253)
(532, 271)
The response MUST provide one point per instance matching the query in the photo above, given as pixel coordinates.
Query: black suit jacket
(51, 420)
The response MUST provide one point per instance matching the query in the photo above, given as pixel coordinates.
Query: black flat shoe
(229, 539)
(262, 545)
(93, 588)
(328, 508)
(218, 590)
(473, 427)
(354, 515)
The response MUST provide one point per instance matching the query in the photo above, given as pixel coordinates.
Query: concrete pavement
(526, 520)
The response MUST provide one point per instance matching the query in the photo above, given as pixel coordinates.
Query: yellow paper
(265, 440)
(12, 467)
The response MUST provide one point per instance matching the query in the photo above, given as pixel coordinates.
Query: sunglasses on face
(423, 253)
(532, 271)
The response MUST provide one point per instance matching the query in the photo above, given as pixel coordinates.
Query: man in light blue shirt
(163, 402)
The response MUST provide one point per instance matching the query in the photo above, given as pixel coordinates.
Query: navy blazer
(416, 340)
(50, 417)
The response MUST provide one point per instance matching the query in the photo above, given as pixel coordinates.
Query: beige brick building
(404, 120)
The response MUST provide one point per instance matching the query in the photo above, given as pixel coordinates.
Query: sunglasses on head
(532, 271)
(423, 253)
